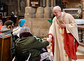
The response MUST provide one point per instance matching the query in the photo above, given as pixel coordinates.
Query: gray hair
(58, 7)
(0, 20)
(24, 29)
(19, 21)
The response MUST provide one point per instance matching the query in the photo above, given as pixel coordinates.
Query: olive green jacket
(32, 45)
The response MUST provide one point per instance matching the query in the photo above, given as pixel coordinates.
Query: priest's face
(57, 12)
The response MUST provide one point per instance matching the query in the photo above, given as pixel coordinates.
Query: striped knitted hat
(22, 22)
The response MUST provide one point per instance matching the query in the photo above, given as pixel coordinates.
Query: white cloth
(16, 31)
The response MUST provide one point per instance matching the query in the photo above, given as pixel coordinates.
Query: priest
(64, 35)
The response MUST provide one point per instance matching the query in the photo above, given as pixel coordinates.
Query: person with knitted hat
(27, 43)
(7, 28)
(22, 23)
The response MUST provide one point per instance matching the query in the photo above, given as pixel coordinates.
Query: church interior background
(38, 12)
(18, 6)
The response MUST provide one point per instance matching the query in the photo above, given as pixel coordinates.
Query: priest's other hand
(49, 40)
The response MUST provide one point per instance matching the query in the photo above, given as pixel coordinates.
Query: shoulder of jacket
(68, 14)
(54, 18)
(31, 37)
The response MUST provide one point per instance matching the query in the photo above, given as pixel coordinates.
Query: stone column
(39, 12)
(52, 5)
(47, 3)
(47, 10)
(18, 7)
(82, 9)
(29, 11)
(44, 3)
(41, 3)
(54, 2)
(28, 1)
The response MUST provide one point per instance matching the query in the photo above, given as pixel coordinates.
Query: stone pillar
(18, 7)
(28, 1)
(41, 3)
(82, 9)
(44, 3)
(47, 10)
(47, 3)
(30, 12)
(52, 4)
(39, 13)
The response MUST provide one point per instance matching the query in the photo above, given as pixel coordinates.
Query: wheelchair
(26, 56)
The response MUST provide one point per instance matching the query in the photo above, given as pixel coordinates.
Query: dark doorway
(3, 9)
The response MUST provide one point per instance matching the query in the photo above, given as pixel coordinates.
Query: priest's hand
(49, 40)
(63, 25)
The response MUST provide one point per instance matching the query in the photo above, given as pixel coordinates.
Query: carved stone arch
(19, 5)
(22, 6)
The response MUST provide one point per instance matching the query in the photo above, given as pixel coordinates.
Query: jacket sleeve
(40, 44)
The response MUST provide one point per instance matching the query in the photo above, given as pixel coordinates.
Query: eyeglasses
(56, 12)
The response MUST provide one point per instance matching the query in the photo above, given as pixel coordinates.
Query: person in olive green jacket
(29, 44)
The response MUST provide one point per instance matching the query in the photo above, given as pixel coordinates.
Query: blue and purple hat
(22, 22)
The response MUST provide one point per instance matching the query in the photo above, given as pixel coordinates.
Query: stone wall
(10, 9)
(82, 9)
(37, 20)
(39, 26)
(12, 6)
(76, 5)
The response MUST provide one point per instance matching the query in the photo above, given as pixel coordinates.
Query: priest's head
(57, 11)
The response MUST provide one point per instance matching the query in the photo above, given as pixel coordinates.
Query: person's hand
(15, 15)
(49, 40)
(63, 25)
